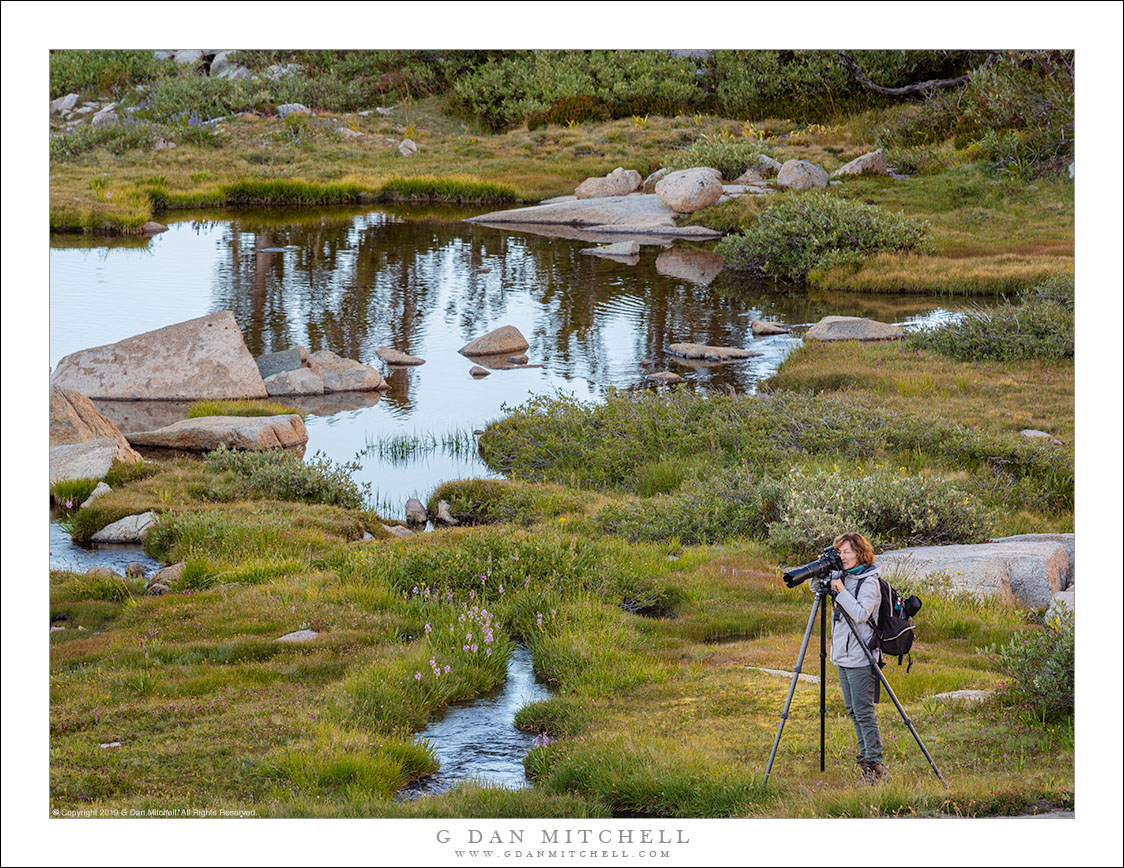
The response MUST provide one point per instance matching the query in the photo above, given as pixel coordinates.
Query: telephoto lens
(821, 566)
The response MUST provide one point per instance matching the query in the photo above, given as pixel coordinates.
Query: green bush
(1041, 666)
(1041, 327)
(128, 134)
(818, 230)
(730, 156)
(1016, 113)
(571, 86)
(806, 510)
(186, 96)
(811, 86)
(490, 501)
(78, 71)
(284, 476)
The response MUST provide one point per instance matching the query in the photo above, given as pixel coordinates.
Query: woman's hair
(858, 542)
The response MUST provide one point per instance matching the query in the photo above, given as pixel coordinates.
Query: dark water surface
(422, 281)
(65, 555)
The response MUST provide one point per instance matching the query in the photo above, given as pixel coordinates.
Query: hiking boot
(875, 773)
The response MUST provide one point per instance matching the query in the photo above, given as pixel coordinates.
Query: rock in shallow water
(506, 339)
(257, 433)
(852, 328)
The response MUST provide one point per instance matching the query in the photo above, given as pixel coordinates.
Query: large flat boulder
(345, 375)
(852, 328)
(200, 358)
(1064, 539)
(1028, 572)
(256, 433)
(75, 419)
(637, 214)
(89, 460)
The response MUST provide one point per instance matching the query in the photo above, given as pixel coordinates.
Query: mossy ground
(206, 703)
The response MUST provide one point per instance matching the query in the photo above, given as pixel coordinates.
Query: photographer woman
(857, 593)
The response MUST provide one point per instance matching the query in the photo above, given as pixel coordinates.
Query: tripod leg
(878, 670)
(823, 677)
(792, 685)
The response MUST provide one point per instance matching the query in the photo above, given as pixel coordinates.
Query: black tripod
(821, 588)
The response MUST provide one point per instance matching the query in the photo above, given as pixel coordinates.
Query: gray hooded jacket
(861, 601)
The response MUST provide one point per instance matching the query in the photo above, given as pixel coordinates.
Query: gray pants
(858, 698)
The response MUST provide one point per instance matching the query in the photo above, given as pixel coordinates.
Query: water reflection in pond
(422, 281)
(478, 739)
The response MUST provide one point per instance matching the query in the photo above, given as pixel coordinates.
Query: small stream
(478, 740)
(66, 555)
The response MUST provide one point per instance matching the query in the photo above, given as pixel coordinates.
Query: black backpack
(894, 628)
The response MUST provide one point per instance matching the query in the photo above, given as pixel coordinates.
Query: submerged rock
(396, 357)
(694, 266)
(256, 433)
(620, 250)
(666, 377)
(478, 372)
(852, 328)
(192, 360)
(708, 353)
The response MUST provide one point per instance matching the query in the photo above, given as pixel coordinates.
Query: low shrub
(284, 476)
(730, 156)
(818, 230)
(1041, 667)
(242, 407)
(77, 71)
(804, 511)
(1040, 327)
(127, 134)
(490, 501)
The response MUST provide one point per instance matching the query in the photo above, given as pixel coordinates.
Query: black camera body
(818, 571)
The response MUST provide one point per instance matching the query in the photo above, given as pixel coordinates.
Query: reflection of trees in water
(353, 283)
